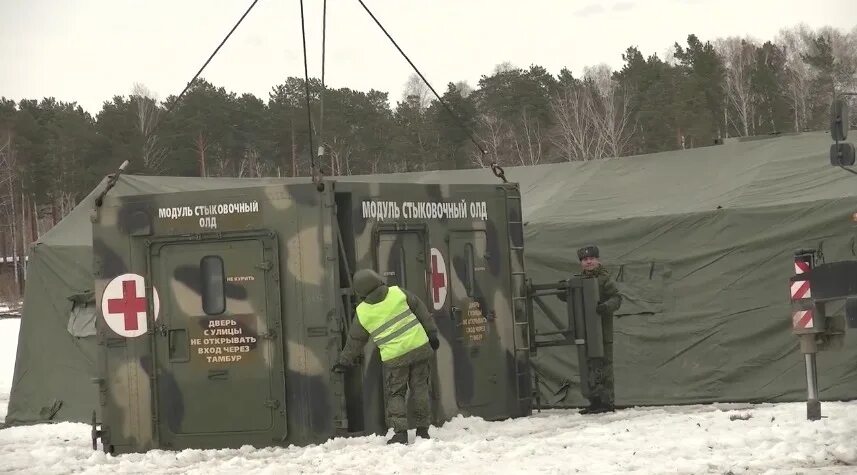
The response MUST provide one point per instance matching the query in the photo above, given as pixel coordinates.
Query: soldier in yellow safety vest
(400, 325)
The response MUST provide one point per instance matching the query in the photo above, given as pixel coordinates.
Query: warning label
(223, 341)
(474, 325)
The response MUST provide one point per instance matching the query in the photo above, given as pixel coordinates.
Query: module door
(218, 343)
(402, 260)
(472, 301)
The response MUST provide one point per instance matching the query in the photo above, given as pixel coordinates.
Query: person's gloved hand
(434, 342)
(601, 308)
(562, 295)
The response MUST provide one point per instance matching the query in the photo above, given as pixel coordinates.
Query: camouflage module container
(222, 311)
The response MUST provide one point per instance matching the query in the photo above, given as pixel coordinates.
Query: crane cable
(187, 86)
(321, 144)
(495, 168)
(316, 175)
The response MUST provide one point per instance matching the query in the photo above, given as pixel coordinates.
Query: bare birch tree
(611, 111)
(844, 50)
(222, 167)
(148, 114)
(67, 202)
(798, 73)
(576, 134)
(251, 165)
(415, 88)
(340, 150)
(848, 54)
(618, 126)
(493, 134)
(8, 178)
(201, 145)
(463, 88)
(738, 58)
(528, 146)
(7, 168)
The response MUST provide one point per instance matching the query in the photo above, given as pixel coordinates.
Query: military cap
(587, 251)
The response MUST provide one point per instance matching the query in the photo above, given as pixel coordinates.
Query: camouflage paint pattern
(254, 305)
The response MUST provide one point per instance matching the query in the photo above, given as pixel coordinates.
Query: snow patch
(686, 440)
(713, 438)
(8, 348)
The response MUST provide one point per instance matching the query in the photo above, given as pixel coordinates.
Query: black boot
(597, 406)
(399, 438)
(593, 403)
(597, 409)
(423, 432)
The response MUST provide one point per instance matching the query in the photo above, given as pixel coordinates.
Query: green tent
(700, 242)
(56, 355)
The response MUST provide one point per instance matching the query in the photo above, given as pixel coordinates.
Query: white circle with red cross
(123, 305)
(438, 279)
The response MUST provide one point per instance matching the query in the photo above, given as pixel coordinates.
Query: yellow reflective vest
(392, 325)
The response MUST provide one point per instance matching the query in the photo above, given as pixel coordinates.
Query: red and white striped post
(802, 313)
(804, 317)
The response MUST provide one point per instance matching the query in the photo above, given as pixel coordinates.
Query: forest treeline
(52, 152)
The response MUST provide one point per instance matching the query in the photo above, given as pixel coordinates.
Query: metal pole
(811, 378)
(810, 350)
(802, 306)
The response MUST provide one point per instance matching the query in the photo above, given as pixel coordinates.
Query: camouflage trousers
(601, 385)
(416, 377)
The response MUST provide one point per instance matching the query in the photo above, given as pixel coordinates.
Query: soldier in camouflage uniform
(601, 388)
(401, 326)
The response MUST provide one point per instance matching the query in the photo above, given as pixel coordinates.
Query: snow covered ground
(7, 309)
(723, 438)
(8, 348)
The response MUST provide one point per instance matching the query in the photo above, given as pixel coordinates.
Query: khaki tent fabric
(56, 356)
(700, 242)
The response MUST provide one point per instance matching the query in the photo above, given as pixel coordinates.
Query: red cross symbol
(124, 305)
(129, 305)
(438, 279)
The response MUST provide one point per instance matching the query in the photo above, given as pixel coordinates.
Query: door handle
(218, 374)
(177, 345)
(454, 312)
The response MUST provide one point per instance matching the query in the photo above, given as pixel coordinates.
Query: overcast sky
(90, 50)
